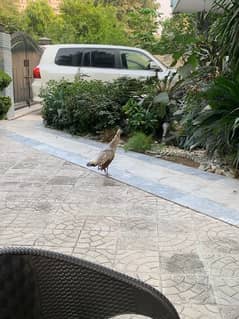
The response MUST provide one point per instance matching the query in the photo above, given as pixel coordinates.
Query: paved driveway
(50, 203)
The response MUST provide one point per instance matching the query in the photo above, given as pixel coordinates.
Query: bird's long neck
(115, 141)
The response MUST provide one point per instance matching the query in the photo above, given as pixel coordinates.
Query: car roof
(105, 46)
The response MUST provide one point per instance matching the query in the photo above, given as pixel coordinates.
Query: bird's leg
(106, 171)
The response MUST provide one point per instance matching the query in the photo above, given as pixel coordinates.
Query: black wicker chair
(36, 284)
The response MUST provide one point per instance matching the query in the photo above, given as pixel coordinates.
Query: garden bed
(196, 159)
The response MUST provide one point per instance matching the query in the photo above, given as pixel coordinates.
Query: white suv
(94, 62)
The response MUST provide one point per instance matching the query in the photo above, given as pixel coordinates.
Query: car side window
(69, 56)
(99, 59)
(86, 59)
(133, 60)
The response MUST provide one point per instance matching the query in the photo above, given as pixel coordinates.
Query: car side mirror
(154, 66)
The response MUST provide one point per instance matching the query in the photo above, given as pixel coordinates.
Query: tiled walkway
(50, 203)
(210, 194)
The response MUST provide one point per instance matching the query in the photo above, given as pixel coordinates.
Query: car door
(99, 64)
(136, 64)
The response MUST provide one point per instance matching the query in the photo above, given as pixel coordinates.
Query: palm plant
(217, 126)
(226, 30)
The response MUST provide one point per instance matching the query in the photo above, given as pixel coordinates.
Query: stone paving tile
(199, 312)
(188, 289)
(30, 219)
(59, 234)
(25, 166)
(153, 279)
(176, 241)
(182, 262)
(168, 210)
(13, 186)
(5, 165)
(137, 261)
(52, 204)
(7, 219)
(89, 180)
(62, 180)
(226, 290)
(102, 223)
(89, 208)
(97, 239)
(18, 196)
(104, 257)
(22, 204)
(45, 206)
(51, 194)
(176, 225)
(19, 236)
(138, 240)
(138, 224)
(58, 249)
(219, 238)
(222, 265)
(72, 172)
(229, 312)
(19, 179)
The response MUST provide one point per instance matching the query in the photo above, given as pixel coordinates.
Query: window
(69, 56)
(133, 60)
(102, 59)
(86, 61)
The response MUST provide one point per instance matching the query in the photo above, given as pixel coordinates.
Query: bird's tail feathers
(91, 163)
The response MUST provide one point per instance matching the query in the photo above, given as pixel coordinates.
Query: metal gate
(25, 56)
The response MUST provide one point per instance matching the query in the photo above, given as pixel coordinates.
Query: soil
(182, 160)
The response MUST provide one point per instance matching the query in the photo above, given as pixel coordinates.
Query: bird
(107, 155)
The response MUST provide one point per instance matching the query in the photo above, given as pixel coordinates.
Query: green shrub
(89, 106)
(79, 107)
(5, 80)
(5, 103)
(147, 113)
(139, 142)
(140, 117)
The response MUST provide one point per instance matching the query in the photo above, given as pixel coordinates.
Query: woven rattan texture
(18, 292)
(36, 284)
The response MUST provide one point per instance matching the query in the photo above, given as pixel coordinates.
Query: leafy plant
(226, 31)
(216, 127)
(143, 26)
(5, 103)
(178, 34)
(139, 116)
(5, 80)
(37, 18)
(146, 113)
(88, 22)
(139, 142)
(79, 107)
(89, 106)
(9, 16)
